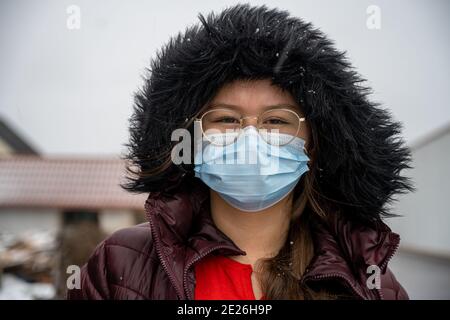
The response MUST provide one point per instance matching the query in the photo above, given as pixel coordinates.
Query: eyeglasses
(217, 122)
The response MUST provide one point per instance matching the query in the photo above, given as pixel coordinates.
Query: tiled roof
(65, 183)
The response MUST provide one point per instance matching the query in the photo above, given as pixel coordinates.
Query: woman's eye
(275, 121)
(227, 120)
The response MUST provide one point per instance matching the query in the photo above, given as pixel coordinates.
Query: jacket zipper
(192, 262)
(161, 257)
(384, 264)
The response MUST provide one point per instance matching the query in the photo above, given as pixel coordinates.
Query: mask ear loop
(320, 169)
(308, 155)
(305, 151)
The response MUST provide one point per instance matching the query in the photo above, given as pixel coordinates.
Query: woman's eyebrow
(282, 106)
(224, 105)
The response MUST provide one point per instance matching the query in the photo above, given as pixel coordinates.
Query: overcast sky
(70, 91)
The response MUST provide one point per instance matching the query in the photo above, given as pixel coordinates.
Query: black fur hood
(360, 153)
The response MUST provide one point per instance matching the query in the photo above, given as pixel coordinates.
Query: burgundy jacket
(155, 260)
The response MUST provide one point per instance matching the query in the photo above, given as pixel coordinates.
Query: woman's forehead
(253, 95)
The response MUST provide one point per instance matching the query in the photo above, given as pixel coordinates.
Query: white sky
(70, 91)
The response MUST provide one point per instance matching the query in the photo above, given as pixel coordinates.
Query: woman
(307, 223)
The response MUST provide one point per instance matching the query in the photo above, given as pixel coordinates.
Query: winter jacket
(156, 260)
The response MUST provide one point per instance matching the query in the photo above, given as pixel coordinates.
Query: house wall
(426, 214)
(17, 221)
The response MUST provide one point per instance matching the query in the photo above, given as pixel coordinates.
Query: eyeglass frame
(200, 121)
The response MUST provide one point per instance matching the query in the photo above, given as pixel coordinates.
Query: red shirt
(222, 278)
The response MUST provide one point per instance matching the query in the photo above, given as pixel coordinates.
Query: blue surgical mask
(250, 174)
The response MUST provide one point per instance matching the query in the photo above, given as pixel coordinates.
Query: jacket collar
(183, 232)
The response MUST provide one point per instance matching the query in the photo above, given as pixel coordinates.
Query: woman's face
(253, 98)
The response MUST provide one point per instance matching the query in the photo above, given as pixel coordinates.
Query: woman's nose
(249, 121)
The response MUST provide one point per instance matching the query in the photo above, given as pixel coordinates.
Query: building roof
(65, 183)
(12, 141)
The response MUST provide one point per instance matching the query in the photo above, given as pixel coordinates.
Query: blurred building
(71, 202)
